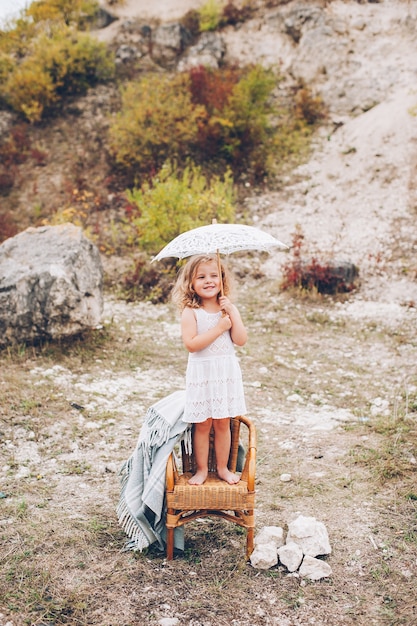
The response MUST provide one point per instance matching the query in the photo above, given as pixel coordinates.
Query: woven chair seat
(234, 503)
(216, 494)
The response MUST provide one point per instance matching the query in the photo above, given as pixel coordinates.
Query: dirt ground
(331, 387)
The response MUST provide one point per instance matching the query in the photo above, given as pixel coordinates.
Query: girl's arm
(194, 342)
(238, 331)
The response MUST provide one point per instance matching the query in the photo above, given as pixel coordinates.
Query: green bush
(210, 15)
(249, 131)
(157, 122)
(176, 202)
(82, 63)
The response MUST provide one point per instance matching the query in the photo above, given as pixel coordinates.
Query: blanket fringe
(137, 538)
(155, 431)
(161, 431)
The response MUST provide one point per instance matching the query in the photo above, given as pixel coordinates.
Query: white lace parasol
(221, 239)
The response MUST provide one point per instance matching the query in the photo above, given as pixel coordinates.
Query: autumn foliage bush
(70, 12)
(60, 63)
(221, 118)
(212, 90)
(157, 121)
(8, 226)
(43, 57)
(307, 273)
(148, 282)
(15, 149)
(308, 107)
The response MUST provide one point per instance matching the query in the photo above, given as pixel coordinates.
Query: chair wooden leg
(249, 542)
(170, 544)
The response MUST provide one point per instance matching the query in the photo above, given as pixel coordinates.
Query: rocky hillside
(354, 200)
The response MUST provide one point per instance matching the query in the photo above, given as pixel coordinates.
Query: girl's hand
(225, 304)
(225, 323)
(237, 329)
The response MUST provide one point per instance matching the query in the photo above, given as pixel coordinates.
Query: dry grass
(311, 372)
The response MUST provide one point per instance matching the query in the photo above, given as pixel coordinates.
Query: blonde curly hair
(183, 293)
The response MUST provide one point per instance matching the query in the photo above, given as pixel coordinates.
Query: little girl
(210, 325)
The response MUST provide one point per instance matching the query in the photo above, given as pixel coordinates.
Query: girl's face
(206, 280)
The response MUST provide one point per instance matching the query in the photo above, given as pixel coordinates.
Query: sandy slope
(354, 200)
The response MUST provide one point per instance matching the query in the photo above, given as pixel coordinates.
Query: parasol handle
(220, 273)
(219, 265)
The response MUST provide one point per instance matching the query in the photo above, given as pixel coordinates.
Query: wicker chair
(215, 497)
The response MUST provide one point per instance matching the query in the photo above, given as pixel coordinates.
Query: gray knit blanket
(141, 510)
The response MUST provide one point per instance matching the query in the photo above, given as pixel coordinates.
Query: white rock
(168, 621)
(291, 556)
(23, 472)
(264, 556)
(285, 478)
(314, 569)
(310, 535)
(270, 534)
(380, 407)
(295, 398)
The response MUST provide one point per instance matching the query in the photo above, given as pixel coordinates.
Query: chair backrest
(188, 460)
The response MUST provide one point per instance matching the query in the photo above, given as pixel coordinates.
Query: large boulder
(168, 42)
(209, 51)
(50, 284)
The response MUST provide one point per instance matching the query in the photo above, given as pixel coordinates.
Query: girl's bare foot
(198, 478)
(228, 476)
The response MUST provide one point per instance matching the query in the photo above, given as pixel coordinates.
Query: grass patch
(394, 455)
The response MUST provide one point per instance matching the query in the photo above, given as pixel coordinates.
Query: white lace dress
(214, 386)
